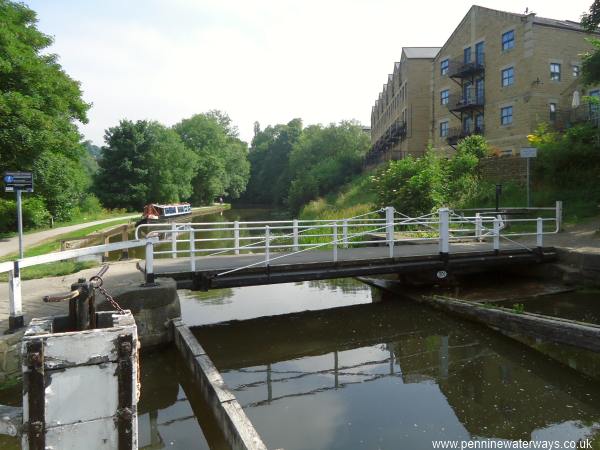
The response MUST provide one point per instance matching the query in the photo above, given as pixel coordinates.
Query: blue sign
(8, 179)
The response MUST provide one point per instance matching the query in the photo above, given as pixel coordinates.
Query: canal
(337, 365)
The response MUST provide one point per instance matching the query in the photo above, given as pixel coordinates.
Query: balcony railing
(468, 100)
(456, 134)
(461, 69)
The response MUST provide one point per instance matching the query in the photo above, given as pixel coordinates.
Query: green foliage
(34, 213)
(418, 186)
(590, 67)
(222, 159)
(269, 159)
(39, 102)
(518, 308)
(61, 181)
(325, 158)
(571, 159)
(143, 162)
(291, 165)
(591, 19)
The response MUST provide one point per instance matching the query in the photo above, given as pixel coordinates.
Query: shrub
(35, 214)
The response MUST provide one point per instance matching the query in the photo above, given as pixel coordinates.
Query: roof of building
(566, 24)
(421, 52)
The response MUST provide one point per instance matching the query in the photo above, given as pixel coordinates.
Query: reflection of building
(499, 74)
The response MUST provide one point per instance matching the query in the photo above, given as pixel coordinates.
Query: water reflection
(199, 308)
(392, 375)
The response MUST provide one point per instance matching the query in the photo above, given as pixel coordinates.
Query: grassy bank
(61, 267)
(352, 199)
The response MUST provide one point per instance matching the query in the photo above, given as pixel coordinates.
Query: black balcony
(459, 69)
(466, 102)
(456, 134)
(394, 134)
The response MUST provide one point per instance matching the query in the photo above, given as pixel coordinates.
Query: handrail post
(497, 234)
(192, 250)
(444, 242)
(478, 227)
(540, 234)
(173, 240)
(335, 241)
(559, 215)
(295, 233)
(267, 244)
(389, 225)
(236, 237)
(15, 305)
(345, 233)
(149, 261)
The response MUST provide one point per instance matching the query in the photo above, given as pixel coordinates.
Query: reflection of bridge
(251, 253)
(495, 386)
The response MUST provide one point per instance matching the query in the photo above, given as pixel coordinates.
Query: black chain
(96, 283)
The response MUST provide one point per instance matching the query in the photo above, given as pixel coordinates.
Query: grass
(353, 199)
(58, 268)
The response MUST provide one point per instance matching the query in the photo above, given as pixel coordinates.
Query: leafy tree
(39, 102)
(143, 162)
(591, 60)
(325, 158)
(269, 161)
(223, 167)
(61, 182)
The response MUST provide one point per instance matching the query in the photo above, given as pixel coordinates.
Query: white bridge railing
(279, 239)
(276, 240)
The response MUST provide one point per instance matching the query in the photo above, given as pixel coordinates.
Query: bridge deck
(318, 264)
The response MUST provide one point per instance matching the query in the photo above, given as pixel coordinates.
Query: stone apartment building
(402, 107)
(499, 74)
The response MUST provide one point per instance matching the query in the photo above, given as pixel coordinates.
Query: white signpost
(528, 153)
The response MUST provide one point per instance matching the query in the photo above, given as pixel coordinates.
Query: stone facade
(403, 105)
(499, 74)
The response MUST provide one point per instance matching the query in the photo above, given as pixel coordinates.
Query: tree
(223, 167)
(269, 163)
(591, 60)
(325, 158)
(39, 102)
(143, 162)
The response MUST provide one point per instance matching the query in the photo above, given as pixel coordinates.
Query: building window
(444, 96)
(576, 71)
(444, 129)
(508, 40)
(479, 52)
(508, 76)
(444, 67)
(555, 71)
(467, 55)
(506, 115)
(479, 123)
(552, 112)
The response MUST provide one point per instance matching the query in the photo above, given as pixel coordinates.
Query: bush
(35, 214)
(90, 204)
(418, 186)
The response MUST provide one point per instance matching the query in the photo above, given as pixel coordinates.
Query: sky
(258, 60)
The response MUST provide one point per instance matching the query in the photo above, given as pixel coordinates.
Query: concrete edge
(235, 425)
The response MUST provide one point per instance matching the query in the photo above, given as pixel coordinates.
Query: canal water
(337, 365)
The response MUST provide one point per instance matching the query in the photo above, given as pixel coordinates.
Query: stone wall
(502, 170)
(10, 358)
